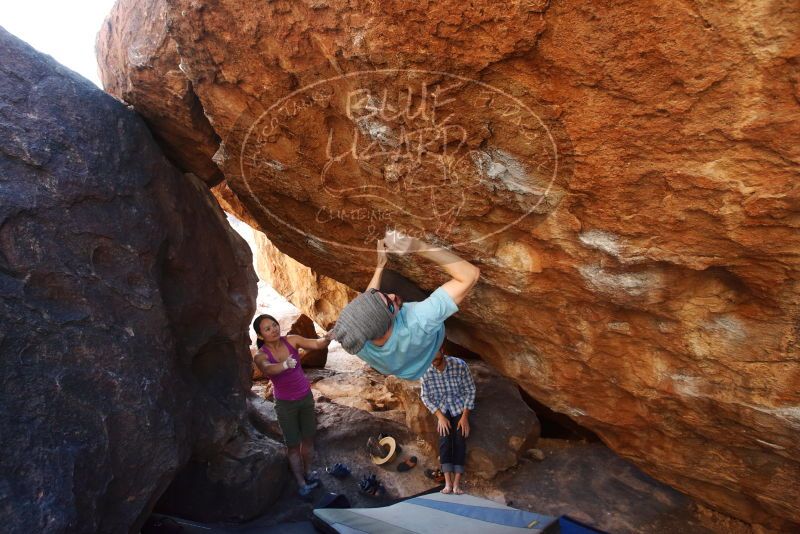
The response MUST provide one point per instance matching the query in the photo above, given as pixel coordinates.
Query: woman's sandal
(407, 465)
(447, 490)
(313, 478)
(457, 490)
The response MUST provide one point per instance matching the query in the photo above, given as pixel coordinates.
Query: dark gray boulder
(125, 300)
(237, 485)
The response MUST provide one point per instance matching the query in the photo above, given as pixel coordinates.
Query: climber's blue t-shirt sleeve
(431, 313)
(417, 334)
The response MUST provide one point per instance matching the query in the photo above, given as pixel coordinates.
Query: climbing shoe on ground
(338, 470)
(370, 486)
(407, 465)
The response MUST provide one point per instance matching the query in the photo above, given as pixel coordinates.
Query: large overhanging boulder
(152, 81)
(625, 175)
(125, 300)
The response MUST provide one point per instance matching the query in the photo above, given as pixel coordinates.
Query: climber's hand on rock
(382, 258)
(399, 243)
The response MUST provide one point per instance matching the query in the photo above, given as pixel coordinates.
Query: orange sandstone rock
(625, 175)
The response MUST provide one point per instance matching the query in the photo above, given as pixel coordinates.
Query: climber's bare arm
(375, 283)
(300, 342)
(463, 274)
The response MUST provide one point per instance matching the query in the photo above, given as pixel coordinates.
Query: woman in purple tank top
(279, 359)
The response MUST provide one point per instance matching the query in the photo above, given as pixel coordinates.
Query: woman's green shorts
(297, 419)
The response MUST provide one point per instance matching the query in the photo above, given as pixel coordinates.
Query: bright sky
(63, 29)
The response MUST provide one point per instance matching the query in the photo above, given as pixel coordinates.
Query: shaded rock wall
(304, 327)
(624, 174)
(115, 368)
(238, 485)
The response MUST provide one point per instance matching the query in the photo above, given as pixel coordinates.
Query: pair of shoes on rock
(407, 465)
(436, 475)
(338, 470)
(370, 486)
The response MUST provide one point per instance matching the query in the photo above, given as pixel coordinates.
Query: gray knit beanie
(366, 317)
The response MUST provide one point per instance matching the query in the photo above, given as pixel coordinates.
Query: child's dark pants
(453, 447)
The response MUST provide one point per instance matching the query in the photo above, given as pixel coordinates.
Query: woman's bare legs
(296, 463)
(307, 450)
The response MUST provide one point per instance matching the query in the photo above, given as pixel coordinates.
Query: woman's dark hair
(257, 325)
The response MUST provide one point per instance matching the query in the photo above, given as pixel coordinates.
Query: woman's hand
(463, 425)
(442, 424)
(272, 369)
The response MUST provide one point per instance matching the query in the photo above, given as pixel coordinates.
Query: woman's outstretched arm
(300, 342)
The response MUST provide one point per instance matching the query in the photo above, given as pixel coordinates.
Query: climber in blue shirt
(396, 338)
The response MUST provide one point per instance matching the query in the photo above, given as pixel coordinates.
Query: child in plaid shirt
(448, 391)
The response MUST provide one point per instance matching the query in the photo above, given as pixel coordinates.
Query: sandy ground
(584, 480)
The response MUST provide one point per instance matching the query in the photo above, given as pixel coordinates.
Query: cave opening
(556, 425)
